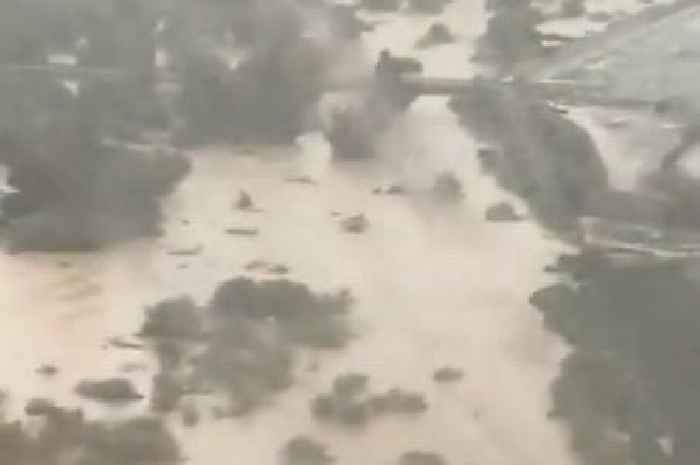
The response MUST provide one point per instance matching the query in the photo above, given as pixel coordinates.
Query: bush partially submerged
(511, 35)
(345, 23)
(632, 375)
(76, 193)
(247, 351)
(304, 318)
(354, 129)
(39, 406)
(351, 133)
(269, 95)
(173, 318)
(679, 198)
(302, 450)
(140, 440)
(381, 5)
(421, 458)
(573, 8)
(66, 434)
(541, 155)
(448, 187)
(113, 390)
(350, 385)
(79, 187)
(166, 393)
(340, 410)
(397, 401)
(428, 6)
(350, 404)
(190, 415)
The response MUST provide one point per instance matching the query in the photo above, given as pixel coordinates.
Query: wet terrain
(433, 285)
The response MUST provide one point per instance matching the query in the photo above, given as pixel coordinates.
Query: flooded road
(435, 285)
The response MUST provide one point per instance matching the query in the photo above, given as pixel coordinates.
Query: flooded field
(441, 296)
(435, 285)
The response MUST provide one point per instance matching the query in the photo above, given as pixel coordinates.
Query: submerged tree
(632, 380)
(511, 34)
(73, 189)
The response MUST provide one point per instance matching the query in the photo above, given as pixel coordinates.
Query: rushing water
(435, 285)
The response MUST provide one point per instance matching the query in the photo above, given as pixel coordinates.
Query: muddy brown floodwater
(435, 285)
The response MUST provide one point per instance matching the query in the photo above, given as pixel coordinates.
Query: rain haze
(314, 232)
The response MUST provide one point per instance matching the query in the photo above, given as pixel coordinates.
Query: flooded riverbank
(434, 285)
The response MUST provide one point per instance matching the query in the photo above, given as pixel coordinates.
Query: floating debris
(256, 265)
(245, 201)
(447, 375)
(131, 367)
(246, 232)
(278, 269)
(120, 343)
(47, 370)
(355, 224)
(267, 267)
(302, 180)
(185, 252)
(501, 212)
(394, 189)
